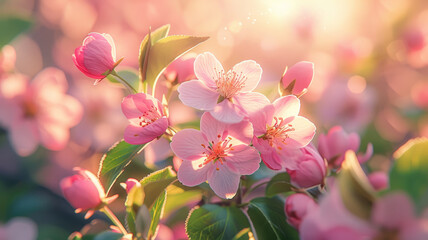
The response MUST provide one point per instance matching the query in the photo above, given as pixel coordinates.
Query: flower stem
(124, 82)
(114, 219)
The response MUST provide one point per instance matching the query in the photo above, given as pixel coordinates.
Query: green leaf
(166, 50)
(142, 222)
(269, 220)
(156, 213)
(108, 235)
(280, 183)
(178, 198)
(115, 160)
(129, 75)
(145, 47)
(216, 222)
(355, 189)
(133, 203)
(410, 171)
(155, 183)
(243, 234)
(12, 26)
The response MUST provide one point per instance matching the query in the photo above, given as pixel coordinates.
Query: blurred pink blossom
(96, 58)
(333, 146)
(7, 59)
(379, 180)
(278, 129)
(130, 183)
(297, 206)
(302, 74)
(181, 69)
(307, 168)
(219, 153)
(38, 112)
(146, 117)
(226, 95)
(21, 228)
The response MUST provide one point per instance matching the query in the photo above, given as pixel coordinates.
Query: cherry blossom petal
(190, 174)
(252, 72)
(24, 137)
(186, 144)
(196, 94)
(261, 118)
(287, 106)
(303, 133)
(157, 150)
(133, 106)
(402, 214)
(251, 102)
(224, 182)
(211, 127)
(49, 82)
(208, 69)
(243, 160)
(268, 154)
(53, 136)
(227, 112)
(141, 135)
(242, 131)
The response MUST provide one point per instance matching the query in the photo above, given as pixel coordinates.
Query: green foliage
(355, 189)
(108, 235)
(216, 222)
(156, 183)
(12, 26)
(129, 75)
(280, 183)
(115, 160)
(410, 171)
(156, 212)
(269, 220)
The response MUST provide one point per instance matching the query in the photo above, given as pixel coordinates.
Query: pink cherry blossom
(181, 70)
(307, 167)
(301, 74)
(21, 228)
(38, 112)
(297, 206)
(334, 145)
(226, 95)
(278, 129)
(7, 59)
(130, 183)
(83, 190)
(219, 153)
(379, 180)
(96, 58)
(146, 116)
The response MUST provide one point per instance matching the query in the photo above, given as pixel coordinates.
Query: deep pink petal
(141, 135)
(227, 112)
(287, 106)
(186, 144)
(251, 71)
(196, 94)
(208, 69)
(243, 160)
(224, 182)
(190, 174)
(267, 153)
(304, 131)
(303, 73)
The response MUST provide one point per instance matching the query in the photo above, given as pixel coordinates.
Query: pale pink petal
(402, 214)
(287, 106)
(251, 71)
(20, 228)
(212, 128)
(190, 174)
(141, 135)
(67, 113)
(227, 112)
(129, 108)
(134, 105)
(53, 136)
(196, 94)
(157, 150)
(242, 131)
(186, 144)
(243, 160)
(224, 182)
(251, 102)
(208, 69)
(24, 136)
(50, 81)
(304, 131)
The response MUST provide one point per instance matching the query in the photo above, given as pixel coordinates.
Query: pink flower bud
(301, 74)
(130, 183)
(83, 190)
(379, 180)
(297, 206)
(308, 168)
(181, 69)
(96, 58)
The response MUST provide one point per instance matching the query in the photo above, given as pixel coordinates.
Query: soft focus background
(371, 77)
